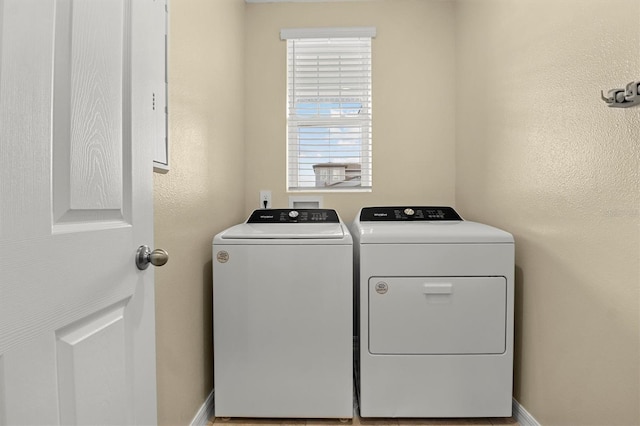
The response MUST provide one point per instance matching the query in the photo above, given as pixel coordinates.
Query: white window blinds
(329, 108)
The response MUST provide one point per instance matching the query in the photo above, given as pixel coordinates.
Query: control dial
(293, 214)
(409, 212)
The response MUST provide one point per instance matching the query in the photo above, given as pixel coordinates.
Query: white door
(437, 315)
(77, 114)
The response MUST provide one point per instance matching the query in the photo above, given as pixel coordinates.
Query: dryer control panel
(294, 216)
(399, 214)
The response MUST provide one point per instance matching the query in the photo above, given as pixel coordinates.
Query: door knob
(144, 257)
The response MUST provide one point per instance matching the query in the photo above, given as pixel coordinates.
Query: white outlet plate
(265, 195)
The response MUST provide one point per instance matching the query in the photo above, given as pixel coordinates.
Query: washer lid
(246, 231)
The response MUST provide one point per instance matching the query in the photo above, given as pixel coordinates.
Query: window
(328, 109)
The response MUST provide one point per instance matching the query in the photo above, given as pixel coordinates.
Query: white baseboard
(204, 413)
(522, 416)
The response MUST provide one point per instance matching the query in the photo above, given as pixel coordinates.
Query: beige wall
(516, 84)
(413, 99)
(201, 195)
(540, 155)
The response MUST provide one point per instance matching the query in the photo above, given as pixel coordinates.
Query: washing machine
(435, 313)
(283, 312)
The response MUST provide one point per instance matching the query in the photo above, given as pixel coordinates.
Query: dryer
(435, 311)
(283, 308)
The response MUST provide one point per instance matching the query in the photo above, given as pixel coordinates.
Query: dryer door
(437, 315)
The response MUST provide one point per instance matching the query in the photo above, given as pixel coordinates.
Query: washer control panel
(400, 214)
(294, 216)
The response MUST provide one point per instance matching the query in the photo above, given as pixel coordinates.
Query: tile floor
(365, 422)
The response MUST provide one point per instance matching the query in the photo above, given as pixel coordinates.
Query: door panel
(90, 395)
(437, 315)
(91, 94)
(97, 31)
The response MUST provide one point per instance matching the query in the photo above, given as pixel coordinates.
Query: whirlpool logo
(381, 287)
(222, 256)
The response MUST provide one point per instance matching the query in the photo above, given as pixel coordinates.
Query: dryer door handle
(437, 288)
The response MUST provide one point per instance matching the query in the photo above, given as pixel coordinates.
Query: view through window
(329, 113)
